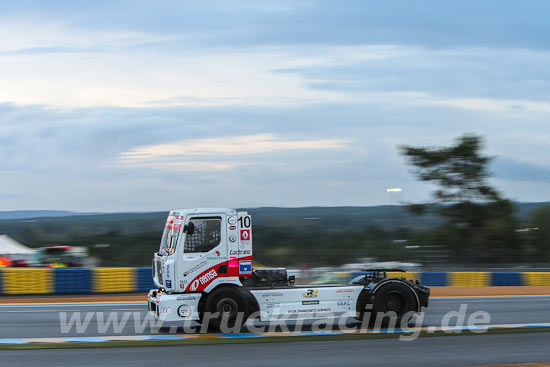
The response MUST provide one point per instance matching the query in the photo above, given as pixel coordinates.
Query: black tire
(227, 302)
(393, 297)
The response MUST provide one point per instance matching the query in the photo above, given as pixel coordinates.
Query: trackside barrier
(507, 279)
(434, 279)
(144, 279)
(71, 280)
(469, 279)
(27, 281)
(409, 275)
(15, 281)
(536, 278)
(114, 280)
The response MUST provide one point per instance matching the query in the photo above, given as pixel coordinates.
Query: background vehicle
(60, 256)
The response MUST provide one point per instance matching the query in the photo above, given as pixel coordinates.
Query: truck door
(204, 255)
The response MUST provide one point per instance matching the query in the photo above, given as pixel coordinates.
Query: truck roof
(227, 211)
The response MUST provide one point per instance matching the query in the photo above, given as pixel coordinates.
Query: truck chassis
(369, 295)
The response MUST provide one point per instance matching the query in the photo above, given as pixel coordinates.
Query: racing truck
(205, 267)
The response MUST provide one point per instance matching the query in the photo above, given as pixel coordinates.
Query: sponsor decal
(186, 298)
(343, 303)
(245, 235)
(273, 306)
(167, 271)
(245, 267)
(168, 283)
(174, 222)
(183, 284)
(157, 298)
(232, 220)
(239, 252)
(184, 311)
(217, 257)
(310, 302)
(310, 310)
(344, 290)
(195, 268)
(164, 310)
(272, 295)
(310, 293)
(232, 228)
(203, 280)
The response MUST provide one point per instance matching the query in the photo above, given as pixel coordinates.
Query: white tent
(9, 246)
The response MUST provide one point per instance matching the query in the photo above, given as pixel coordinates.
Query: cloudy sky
(113, 106)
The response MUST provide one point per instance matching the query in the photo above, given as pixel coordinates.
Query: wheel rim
(394, 302)
(227, 307)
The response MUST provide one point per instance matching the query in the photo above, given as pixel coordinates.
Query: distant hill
(36, 227)
(25, 214)
(274, 215)
(282, 235)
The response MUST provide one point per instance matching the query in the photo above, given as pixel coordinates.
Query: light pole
(392, 191)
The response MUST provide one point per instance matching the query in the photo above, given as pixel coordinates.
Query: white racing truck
(204, 267)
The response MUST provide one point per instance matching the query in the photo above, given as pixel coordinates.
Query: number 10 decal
(244, 222)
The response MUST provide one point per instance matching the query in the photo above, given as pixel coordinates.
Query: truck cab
(201, 248)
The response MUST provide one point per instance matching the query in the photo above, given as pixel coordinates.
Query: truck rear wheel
(393, 302)
(229, 306)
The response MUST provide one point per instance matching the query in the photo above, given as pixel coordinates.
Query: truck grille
(159, 272)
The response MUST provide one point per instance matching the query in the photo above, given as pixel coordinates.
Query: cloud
(37, 36)
(216, 24)
(493, 80)
(190, 154)
(127, 106)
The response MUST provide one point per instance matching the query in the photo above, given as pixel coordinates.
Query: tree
(538, 234)
(483, 220)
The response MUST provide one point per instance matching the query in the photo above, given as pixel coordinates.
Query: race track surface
(474, 350)
(44, 320)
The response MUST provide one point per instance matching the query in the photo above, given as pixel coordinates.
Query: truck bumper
(173, 307)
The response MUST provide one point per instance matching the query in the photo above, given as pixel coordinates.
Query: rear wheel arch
(387, 283)
(389, 295)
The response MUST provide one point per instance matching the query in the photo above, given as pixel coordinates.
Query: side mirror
(189, 228)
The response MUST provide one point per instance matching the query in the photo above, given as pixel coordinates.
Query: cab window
(206, 236)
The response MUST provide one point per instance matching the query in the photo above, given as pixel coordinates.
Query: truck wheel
(228, 303)
(395, 299)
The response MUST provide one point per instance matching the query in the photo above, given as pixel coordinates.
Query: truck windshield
(170, 235)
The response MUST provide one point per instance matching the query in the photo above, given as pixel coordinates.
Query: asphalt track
(27, 321)
(441, 351)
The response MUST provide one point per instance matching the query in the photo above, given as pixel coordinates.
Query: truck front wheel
(228, 308)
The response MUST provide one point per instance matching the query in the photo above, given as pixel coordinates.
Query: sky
(138, 106)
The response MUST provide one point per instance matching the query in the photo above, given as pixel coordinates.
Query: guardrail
(116, 280)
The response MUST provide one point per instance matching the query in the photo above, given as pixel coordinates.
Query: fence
(105, 280)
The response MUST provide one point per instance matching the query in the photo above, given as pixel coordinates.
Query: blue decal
(245, 267)
(168, 284)
(310, 302)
